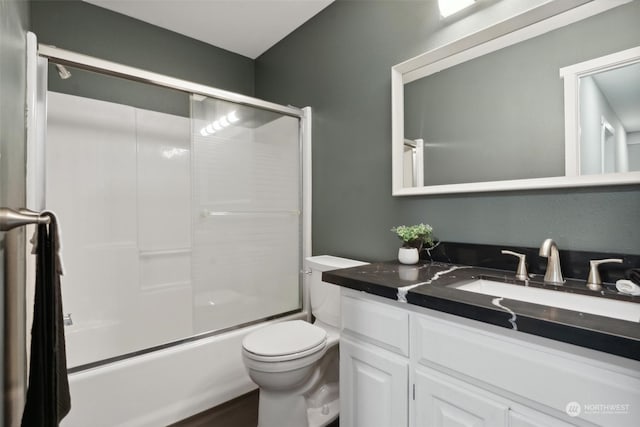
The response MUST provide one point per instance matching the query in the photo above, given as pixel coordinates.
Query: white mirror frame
(531, 23)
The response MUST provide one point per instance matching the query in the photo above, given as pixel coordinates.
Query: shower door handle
(10, 218)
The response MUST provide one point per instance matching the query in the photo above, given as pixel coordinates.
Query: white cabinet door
(443, 401)
(374, 386)
(525, 417)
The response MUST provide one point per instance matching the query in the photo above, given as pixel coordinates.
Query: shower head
(62, 71)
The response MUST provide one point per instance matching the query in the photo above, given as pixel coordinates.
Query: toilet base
(315, 404)
(284, 410)
(321, 417)
(281, 410)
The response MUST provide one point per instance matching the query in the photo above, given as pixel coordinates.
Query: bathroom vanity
(418, 348)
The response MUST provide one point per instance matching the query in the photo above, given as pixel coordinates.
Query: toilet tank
(325, 297)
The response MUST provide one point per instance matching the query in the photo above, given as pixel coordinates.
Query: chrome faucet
(549, 250)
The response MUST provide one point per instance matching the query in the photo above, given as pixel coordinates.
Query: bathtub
(164, 386)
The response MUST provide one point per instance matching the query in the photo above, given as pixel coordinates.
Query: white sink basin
(576, 302)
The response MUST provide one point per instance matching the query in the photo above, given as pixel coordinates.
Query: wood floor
(239, 412)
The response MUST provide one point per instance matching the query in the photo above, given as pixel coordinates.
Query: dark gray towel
(48, 399)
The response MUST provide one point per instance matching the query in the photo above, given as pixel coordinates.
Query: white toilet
(296, 363)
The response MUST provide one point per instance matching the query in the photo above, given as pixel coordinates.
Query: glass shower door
(181, 214)
(246, 214)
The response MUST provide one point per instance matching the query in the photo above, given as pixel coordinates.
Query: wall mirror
(501, 109)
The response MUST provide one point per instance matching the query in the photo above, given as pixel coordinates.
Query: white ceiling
(246, 27)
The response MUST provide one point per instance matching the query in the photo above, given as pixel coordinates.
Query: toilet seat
(284, 341)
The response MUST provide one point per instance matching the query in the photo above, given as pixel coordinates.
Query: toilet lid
(284, 338)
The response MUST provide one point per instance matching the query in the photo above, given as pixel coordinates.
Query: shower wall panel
(162, 311)
(118, 178)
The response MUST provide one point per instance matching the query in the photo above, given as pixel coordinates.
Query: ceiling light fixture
(450, 7)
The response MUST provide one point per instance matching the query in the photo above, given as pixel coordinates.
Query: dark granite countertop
(433, 285)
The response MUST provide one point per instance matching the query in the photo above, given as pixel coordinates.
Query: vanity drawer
(380, 324)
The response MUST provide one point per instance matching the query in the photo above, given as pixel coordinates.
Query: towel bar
(10, 218)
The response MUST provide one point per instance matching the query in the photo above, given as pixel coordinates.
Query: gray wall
(14, 21)
(85, 28)
(339, 63)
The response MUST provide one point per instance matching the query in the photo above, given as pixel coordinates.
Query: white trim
(397, 130)
(306, 138)
(530, 23)
(625, 178)
(36, 117)
(306, 179)
(602, 63)
(31, 114)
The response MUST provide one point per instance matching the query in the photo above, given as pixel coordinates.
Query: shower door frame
(37, 140)
(90, 63)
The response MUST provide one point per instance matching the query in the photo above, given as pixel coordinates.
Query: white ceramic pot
(408, 255)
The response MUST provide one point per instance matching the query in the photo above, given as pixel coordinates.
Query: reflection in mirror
(610, 121)
(413, 162)
(602, 114)
(477, 118)
(491, 116)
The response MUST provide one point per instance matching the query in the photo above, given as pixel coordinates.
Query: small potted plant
(413, 239)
